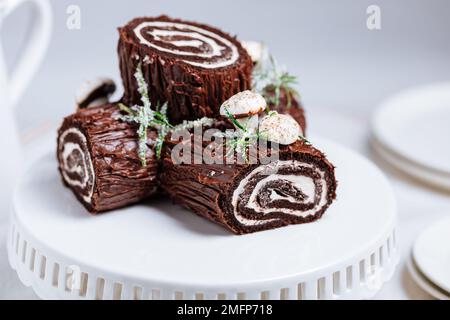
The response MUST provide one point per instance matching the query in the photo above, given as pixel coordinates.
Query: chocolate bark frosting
(192, 66)
(98, 160)
(297, 188)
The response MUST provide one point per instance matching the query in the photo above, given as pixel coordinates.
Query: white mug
(12, 85)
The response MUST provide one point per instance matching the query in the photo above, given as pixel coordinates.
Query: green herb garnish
(240, 140)
(302, 138)
(269, 81)
(147, 118)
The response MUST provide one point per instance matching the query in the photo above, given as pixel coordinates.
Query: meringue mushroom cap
(254, 49)
(92, 90)
(280, 128)
(244, 104)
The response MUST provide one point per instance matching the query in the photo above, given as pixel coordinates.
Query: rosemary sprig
(188, 125)
(142, 86)
(269, 80)
(125, 108)
(234, 121)
(306, 141)
(160, 141)
(286, 83)
(240, 140)
(147, 118)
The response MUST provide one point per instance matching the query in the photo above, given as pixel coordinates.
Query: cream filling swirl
(85, 170)
(304, 183)
(197, 37)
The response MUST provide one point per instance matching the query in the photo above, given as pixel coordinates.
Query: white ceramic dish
(158, 250)
(415, 125)
(432, 253)
(422, 173)
(424, 283)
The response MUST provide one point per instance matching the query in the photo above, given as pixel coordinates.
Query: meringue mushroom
(280, 128)
(255, 50)
(245, 107)
(94, 93)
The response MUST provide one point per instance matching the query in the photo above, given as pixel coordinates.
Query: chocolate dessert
(99, 162)
(192, 66)
(178, 77)
(246, 198)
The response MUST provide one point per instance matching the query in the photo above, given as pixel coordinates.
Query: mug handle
(35, 46)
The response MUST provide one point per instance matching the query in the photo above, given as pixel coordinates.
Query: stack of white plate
(429, 264)
(412, 132)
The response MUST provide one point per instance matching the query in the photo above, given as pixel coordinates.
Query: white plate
(420, 279)
(161, 246)
(411, 168)
(415, 124)
(432, 253)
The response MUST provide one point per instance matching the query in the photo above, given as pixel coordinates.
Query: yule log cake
(192, 66)
(245, 198)
(99, 160)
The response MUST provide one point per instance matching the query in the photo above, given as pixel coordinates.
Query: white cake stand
(159, 251)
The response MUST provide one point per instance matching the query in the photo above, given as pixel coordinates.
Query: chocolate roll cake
(98, 160)
(244, 198)
(192, 66)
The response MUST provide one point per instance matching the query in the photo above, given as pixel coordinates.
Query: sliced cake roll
(244, 198)
(98, 159)
(192, 66)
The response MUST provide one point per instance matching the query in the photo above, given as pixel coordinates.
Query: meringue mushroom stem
(249, 122)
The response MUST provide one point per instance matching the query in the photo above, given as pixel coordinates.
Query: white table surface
(419, 205)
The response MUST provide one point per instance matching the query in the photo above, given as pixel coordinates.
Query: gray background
(340, 63)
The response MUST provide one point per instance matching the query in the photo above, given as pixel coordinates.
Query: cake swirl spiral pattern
(194, 45)
(76, 163)
(192, 66)
(283, 189)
